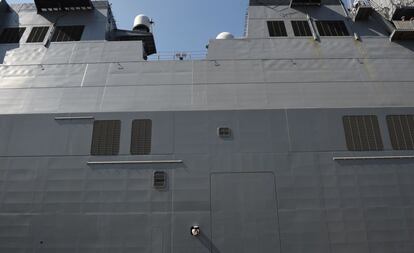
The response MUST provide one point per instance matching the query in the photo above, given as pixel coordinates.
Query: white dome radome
(225, 36)
(142, 22)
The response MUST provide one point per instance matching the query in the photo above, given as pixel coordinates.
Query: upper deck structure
(295, 138)
(315, 42)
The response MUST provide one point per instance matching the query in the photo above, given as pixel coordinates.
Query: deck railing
(178, 56)
(404, 25)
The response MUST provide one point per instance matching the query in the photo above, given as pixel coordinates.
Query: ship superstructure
(297, 138)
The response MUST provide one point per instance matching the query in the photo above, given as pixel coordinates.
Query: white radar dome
(225, 36)
(142, 22)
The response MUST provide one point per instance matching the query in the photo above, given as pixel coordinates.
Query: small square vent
(224, 132)
(160, 180)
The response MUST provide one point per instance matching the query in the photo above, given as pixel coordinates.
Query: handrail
(76, 118)
(404, 25)
(350, 158)
(178, 56)
(134, 162)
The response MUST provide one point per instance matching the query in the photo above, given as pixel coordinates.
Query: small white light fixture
(195, 231)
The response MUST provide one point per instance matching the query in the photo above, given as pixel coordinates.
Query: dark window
(66, 5)
(305, 2)
(332, 28)
(38, 34)
(301, 28)
(67, 33)
(105, 137)
(401, 130)
(11, 35)
(160, 180)
(141, 137)
(276, 28)
(362, 133)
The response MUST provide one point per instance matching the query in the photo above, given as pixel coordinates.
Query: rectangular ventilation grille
(332, 28)
(141, 137)
(160, 180)
(38, 34)
(362, 133)
(276, 28)
(106, 136)
(301, 28)
(401, 130)
(67, 33)
(11, 35)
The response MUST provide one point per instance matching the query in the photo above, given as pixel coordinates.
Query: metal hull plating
(278, 183)
(283, 181)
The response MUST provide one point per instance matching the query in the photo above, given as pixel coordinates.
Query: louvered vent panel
(401, 130)
(11, 35)
(37, 34)
(277, 29)
(301, 28)
(362, 133)
(106, 136)
(141, 137)
(332, 28)
(67, 33)
(160, 180)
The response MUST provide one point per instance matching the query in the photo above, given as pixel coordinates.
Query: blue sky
(182, 25)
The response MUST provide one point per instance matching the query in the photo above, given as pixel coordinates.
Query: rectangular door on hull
(244, 213)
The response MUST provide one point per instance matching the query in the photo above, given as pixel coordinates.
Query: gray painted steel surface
(283, 182)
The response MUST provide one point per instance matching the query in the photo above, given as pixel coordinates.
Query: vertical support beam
(313, 30)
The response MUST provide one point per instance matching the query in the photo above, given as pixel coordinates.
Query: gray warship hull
(289, 144)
